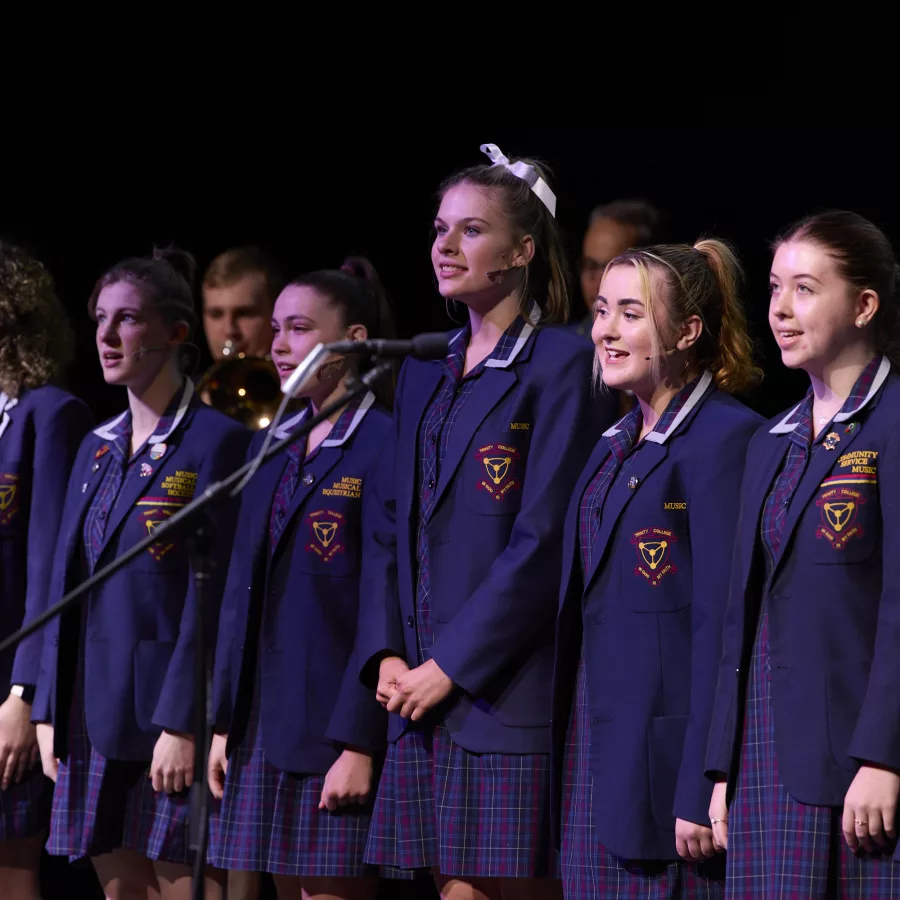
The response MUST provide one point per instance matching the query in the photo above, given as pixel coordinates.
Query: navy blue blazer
(650, 613)
(493, 535)
(833, 604)
(293, 624)
(40, 431)
(139, 651)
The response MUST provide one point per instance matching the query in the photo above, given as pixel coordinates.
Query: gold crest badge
(325, 530)
(151, 518)
(500, 464)
(654, 550)
(9, 497)
(839, 508)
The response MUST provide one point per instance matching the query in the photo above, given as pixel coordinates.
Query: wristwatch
(24, 692)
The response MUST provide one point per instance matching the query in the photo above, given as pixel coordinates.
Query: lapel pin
(633, 482)
(84, 487)
(308, 479)
(95, 466)
(146, 469)
(832, 439)
(101, 452)
(850, 428)
(157, 450)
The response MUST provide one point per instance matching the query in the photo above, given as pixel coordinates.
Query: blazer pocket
(151, 663)
(12, 503)
(494, 474)
(846, 689)
(665, 740)
(846, 524)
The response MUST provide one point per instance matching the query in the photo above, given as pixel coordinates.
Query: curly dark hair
(36, 339)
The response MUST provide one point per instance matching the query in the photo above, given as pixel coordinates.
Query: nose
(107, 334)
(606, 329)
(279, 344)
(447, 244)
(232, 330)
(780, 305)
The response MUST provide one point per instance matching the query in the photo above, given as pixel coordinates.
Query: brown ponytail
(733, 367)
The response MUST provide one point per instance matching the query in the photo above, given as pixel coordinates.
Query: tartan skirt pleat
(270, 820)
(100, 804)
(589, 870)
(25, 807)
(469, 815)
(778, 848)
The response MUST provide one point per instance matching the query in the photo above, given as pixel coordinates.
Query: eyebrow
(799, 275)
(464, 221)
(289, 320)
(625, 301)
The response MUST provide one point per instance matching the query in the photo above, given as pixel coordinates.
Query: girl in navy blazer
(646, 554)
(299, 738)
(115, 691)
(463, 561)
(806, 723)
(41, 427)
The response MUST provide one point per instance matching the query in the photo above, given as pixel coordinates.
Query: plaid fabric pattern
(288, 484)
(270, 820)
(101, 805)
(594, 496)
(778, 848)
(475, 816)
(25, 807)
(589, 870)
(471, 815)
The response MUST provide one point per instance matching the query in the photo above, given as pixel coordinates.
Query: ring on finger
(861, 822)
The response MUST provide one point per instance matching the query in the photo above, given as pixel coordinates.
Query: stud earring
(860, 322)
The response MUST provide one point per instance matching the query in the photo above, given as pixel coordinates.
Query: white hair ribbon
(527, 173)
(6, 403)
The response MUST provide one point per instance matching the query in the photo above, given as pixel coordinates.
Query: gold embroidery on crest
(499, 463)
(654, 550)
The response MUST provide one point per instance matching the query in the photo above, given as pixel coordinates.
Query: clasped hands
(411, 692)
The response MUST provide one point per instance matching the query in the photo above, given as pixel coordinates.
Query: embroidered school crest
(9, 497)
(326, 537)
(839, 506)
(151, 517)
(654, 550)
(500, 466)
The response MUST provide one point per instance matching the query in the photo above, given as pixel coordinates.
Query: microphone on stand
(422, 346)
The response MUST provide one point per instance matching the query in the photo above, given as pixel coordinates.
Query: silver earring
(860, 322)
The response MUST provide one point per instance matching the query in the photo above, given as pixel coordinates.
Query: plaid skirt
(588, 869)
(100, 804)
(469, 815)
(25, 807)
(779, 849)
(270, 820)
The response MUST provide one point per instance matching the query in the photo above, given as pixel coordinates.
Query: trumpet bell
(246, 388)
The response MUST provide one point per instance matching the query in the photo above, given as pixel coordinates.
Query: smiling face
(473, 237)
(814, 312)
(623, 332)
(303, 317)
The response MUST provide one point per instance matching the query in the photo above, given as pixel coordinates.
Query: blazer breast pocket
(170, 553)
(11, 499)
(327, 541)
(494, 473)
(843, 523)
(659, 570)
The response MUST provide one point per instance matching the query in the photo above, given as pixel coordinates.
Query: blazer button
(309, 478)
(633, 482)
(102, 513)
(242, 649)
(410, 621)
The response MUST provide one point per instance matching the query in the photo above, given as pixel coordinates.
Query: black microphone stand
(196, 517)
